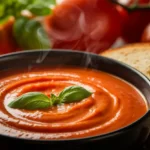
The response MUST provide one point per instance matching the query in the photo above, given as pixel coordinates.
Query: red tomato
(146, 34)
(135, 23)
(123, 13)
(7, 42)
(84, 25)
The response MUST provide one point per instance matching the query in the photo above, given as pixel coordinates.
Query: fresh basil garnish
(31, 101)
(74, 94)
(37, 100)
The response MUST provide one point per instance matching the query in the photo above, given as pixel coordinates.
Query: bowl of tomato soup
(115, 114)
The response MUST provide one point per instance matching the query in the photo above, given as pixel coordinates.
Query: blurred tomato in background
(84, 25)
(136, 21)
(7, 42)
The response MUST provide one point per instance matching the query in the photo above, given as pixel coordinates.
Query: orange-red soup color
(114, 104)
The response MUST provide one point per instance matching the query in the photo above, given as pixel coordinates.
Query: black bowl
(133, 134)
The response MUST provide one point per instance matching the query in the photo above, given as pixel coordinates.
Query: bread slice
(135, 55)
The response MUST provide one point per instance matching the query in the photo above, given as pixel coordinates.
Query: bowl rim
(88, 138)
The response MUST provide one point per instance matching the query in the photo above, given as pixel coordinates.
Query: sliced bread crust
(135, 55)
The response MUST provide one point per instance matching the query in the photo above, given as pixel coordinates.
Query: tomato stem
(135, 6)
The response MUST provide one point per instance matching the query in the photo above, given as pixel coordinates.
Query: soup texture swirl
(113, 104)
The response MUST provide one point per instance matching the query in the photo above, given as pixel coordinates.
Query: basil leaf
(30, 34)
(39, 10)
(18, 27)
(74, 94)
(31, 101)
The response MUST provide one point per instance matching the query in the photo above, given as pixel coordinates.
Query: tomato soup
(113, 104)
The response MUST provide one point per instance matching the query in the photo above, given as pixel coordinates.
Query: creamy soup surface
(113, 104)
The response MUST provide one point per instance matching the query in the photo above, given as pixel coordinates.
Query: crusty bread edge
(128, 46)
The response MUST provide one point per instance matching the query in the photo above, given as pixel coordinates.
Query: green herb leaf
(31, 101)
(74, 94)
(39, 10)
(30, 34)
(15, 7)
